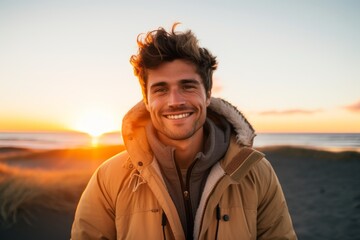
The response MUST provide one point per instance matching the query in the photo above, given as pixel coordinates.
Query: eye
(189, 87)
(160, 90)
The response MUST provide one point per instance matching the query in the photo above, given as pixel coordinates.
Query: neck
(186, 150)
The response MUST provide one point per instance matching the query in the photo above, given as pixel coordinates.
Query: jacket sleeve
(95, 214)
(274, 221)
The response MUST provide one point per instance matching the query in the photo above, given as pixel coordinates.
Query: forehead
(172, 72)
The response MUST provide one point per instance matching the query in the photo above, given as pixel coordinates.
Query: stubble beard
(180, 135)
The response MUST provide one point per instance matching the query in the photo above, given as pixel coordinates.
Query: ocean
(56, 140)
(63, 140)
(326, 141)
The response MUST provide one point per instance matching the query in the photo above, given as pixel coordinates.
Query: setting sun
(96, 123)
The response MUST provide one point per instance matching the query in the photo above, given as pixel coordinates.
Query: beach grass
(52, 179)
(22, 190)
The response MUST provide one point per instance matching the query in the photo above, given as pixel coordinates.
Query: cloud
(355, 107)
(290, 112)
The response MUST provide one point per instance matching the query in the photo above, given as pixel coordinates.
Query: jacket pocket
(237, 223)
(144, 224)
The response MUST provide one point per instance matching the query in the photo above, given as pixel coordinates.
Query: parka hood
(245, 133)
(139, 117)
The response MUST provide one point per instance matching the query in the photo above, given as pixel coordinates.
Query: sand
(322, 191)
(321, 188)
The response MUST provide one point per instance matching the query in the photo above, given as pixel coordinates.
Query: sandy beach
(39, 190)
(322, 191)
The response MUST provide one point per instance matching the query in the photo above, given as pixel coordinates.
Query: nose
(176, 99)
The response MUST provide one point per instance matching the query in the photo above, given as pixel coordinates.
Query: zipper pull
(186, 195)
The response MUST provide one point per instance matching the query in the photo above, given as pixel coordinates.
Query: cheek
(152, 106)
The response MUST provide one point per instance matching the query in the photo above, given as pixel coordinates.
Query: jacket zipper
(218, 217)
(188, 207)
(185, 187)
(207, 201)
(163, 224)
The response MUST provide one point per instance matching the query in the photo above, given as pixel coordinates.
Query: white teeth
(179, 116)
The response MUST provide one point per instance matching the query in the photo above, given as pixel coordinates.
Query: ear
(146, 104)
(208, 98)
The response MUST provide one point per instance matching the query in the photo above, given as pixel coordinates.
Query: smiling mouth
(178, 116)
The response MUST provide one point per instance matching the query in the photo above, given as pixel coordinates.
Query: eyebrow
(158, 84)
(192, 81)
(183, 81)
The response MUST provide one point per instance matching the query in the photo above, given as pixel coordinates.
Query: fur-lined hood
(138, 116)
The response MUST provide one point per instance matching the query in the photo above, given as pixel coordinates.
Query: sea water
(56, 140)
(62, 140)
(329, 141)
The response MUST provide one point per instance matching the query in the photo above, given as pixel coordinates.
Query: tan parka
(127, 198)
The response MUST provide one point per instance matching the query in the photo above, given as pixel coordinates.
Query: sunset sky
(289, 66)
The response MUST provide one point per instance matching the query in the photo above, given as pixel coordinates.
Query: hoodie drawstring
(135, 181)
(218, 217)
(163, 224)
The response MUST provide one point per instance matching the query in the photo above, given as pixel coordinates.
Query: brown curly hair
(159, 46)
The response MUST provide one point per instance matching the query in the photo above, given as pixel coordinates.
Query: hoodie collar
(217, 139)
(135, 122)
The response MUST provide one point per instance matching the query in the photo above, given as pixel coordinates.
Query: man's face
(176, 100)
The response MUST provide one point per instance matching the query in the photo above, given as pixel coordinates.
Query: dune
(77, 158)
(24, 192)
(21, 190)
(39, 190)
(8, 152)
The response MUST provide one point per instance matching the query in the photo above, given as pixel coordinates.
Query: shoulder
(262, 175)
(240, 160)
(265, 180)
(263, 168)
(115, 163)
(250, 164)
(111, 174)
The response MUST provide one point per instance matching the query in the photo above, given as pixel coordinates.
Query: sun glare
(96, 123)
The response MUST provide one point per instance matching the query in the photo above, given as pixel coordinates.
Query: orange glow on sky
(332, 122)
(8, 124)
(98, 122)
(289, 67)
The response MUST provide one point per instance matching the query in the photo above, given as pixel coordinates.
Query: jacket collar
(245, 133)
(135, 121)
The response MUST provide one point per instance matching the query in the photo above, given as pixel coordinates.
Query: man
(188, 171)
